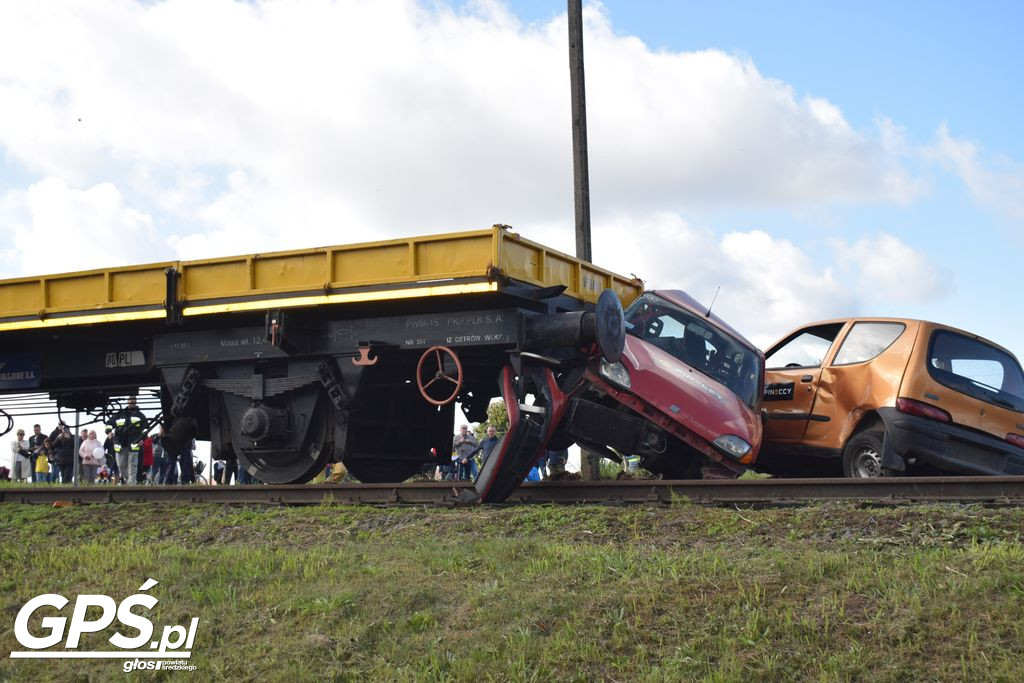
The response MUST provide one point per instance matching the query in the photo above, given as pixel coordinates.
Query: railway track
(992, 490)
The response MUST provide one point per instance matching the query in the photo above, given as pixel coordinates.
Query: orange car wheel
(862, 456)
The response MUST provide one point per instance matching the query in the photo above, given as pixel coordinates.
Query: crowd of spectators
(469, 455)
(110, 459)
(130, 454)
(127, 453)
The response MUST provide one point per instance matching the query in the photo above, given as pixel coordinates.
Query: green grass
(828, 592)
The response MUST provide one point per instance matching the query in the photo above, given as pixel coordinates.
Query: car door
(863, 374)
(793, 371)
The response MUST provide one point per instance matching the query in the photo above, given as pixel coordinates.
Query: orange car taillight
(1015, 439)
(927, 410)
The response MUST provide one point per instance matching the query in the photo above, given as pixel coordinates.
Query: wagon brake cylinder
(605, 327)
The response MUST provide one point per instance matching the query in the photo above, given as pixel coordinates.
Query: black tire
(382, 470)
(676, 463)
(862, 456)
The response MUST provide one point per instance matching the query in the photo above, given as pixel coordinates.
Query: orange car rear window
(972, 367)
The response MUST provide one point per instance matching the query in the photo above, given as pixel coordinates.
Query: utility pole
(589, 462)
(76, 474)
(580, 164)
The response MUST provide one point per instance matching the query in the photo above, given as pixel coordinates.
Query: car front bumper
(634, 427)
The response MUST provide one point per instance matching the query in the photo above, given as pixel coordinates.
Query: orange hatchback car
(888, 396)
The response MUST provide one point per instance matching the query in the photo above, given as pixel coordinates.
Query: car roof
(684, 300)
(906, 321)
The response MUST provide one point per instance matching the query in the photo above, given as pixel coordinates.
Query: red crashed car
(666, 380)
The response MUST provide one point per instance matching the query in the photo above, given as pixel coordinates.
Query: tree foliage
(497, 415)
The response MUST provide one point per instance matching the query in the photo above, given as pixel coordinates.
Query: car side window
(977, 369)
(804, 349)
(666, 326)
(867, 340)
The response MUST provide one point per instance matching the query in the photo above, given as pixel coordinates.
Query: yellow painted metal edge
(516, 237)
(321, 299)
(198, 299)
(195, 307)
(159, 265)
(331, 249)
(576, 289)
(262, 304)
(82, 320)
(50, 311)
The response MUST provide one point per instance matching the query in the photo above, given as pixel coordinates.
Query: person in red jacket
(146, 462)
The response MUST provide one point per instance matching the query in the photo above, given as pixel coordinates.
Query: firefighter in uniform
(130, 426)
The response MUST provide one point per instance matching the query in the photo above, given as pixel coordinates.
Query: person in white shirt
(21, 462)
(92, 454)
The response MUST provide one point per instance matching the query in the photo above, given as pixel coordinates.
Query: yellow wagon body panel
(434, 265)
(91, 290)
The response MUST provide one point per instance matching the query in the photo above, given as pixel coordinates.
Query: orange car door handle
(807, 378)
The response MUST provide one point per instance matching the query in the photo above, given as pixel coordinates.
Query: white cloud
(177, 129)
(997, 184)
(890, 273)
(769, 285)
(63, 229)
(351, 119)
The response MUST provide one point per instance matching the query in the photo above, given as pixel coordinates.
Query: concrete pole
(589, 468)
(580, 163)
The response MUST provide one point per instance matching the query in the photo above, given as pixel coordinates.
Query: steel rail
(1002, 490)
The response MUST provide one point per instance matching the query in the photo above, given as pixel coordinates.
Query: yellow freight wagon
(289, 360)
(435, 265)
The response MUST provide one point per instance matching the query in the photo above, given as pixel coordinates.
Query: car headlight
(616, 372)
(732, 445)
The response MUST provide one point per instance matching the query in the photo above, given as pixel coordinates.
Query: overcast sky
(811, 160)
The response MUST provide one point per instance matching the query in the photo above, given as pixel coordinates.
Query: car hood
(693, 399)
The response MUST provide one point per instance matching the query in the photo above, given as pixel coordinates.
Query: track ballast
(993, 490)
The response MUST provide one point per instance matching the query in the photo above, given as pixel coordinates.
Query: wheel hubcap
(867, 463)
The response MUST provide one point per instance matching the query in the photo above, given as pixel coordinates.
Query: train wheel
(296, 466)
(272, 467)
(382, 470)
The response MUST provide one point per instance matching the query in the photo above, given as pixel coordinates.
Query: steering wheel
(439, 375)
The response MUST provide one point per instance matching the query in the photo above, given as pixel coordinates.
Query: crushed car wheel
(676, 463)
(862, 457)
(382, 470)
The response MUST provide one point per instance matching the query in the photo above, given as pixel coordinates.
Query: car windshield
(696, 341)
